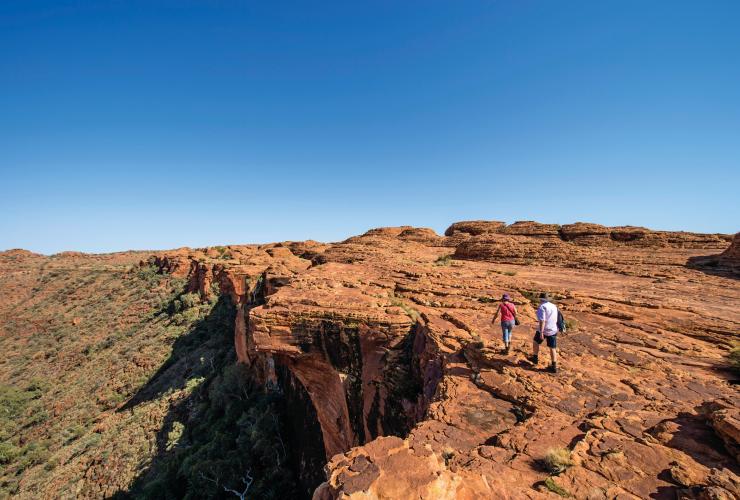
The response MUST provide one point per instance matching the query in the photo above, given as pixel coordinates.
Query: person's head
(506, 298)
(544, 297)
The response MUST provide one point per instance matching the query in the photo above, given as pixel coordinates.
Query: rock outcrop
(731, 257)
(475, 227)
(384, 350)
(624, 249)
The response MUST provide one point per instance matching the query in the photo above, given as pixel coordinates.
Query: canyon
(392, 379)
(386, 337)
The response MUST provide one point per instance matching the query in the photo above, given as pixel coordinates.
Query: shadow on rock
(693, 435)
(224, 437)
(194, 354)
(712, 265)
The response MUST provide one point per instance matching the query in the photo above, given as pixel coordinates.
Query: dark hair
(545, 295)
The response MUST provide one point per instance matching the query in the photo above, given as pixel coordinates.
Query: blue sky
(158, 124)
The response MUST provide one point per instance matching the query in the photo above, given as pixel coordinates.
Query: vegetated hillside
(114, 380)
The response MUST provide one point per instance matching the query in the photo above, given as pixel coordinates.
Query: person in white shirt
(547, 317)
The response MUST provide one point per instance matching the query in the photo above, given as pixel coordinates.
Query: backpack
(561, 323)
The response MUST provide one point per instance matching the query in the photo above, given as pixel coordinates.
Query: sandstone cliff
(384, 344)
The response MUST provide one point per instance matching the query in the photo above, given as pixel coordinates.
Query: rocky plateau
(384, 346)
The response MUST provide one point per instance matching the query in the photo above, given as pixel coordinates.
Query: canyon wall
(383, 348)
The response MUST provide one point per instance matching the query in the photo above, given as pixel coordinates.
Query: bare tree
(247, 480)
(279, 437)
(210, 480)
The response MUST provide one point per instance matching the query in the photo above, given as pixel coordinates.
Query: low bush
(8, 452)
(551, 485)
(72, 433)
(32, 454)
(734, 357)
(557, 460)
(444, 260)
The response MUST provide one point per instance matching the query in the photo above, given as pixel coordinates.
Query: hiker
(547, 330)
(508, 319)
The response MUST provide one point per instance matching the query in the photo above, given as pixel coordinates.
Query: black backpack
(561, 323)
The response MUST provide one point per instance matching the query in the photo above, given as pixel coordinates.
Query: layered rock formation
(731, 257)
(626, 249)
(383, 347)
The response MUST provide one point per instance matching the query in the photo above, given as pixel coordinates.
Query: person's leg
(552, 343)
(511, 331)
(536, 348)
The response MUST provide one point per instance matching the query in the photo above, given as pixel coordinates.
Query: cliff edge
(383, 342)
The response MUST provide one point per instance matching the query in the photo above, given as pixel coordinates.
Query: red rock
(532, 229)
(731, 256)
(726, 423)
(422, 235)
(475, 227)
(585, 233)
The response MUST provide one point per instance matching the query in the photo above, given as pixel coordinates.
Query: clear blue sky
(156, 124)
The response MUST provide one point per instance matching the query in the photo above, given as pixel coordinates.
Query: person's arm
(541, 320)
(496, 315)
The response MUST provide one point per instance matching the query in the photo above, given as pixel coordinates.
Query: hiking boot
(553, 368)
(508, 349)
(534, 359)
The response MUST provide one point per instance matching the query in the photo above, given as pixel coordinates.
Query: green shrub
(173, 437)
(532, 296)
(223, 253)
(37, 386)
(444, 260)
(92, 440)
(734, 358)
(551, 485)
(189, 300)
(8, 452)
(150, 275)
(37, 417)
(72, 433)
(33, 454)
(9, 487)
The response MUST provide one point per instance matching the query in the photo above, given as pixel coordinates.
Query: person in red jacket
(507, 309)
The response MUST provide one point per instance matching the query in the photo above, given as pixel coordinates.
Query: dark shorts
(552, 340)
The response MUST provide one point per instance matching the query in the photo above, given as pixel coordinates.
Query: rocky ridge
(383, 347)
